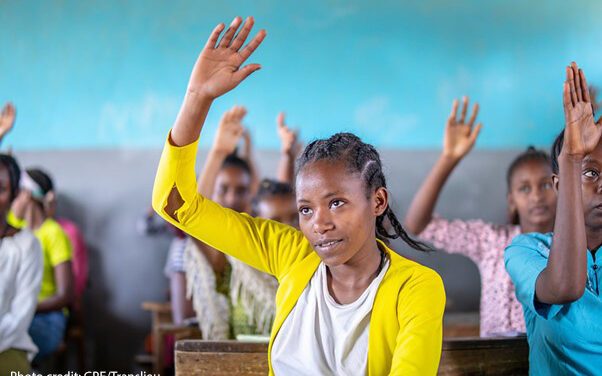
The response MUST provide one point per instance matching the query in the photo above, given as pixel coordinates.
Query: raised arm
(229, 133)
(7, 119)
(459, 138)
(563, 279)
(288, 151)
(217, 70)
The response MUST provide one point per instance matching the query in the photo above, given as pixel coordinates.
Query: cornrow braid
(271, 188)
(363, 159)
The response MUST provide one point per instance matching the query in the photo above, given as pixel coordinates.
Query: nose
(537, 195)
(322, 221)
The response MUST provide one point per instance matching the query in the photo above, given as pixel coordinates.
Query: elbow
(570, 294)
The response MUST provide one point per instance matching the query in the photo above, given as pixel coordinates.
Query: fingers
(584, 88)
(464, 109)
(475, 133)
(214, 36)
(566, 97)
(243, 34)
(473, 117)
(576, 77)
(280, 120)
(570, 79)
(245, 71)
(454, 112)
(252, 46)
(227, 38)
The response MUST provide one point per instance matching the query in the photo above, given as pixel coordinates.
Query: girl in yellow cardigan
(346, 303)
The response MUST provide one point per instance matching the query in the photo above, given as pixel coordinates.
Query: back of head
(362, 159)
(41, 178)
(555, 152)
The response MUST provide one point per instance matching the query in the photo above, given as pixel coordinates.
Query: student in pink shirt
(531, 205)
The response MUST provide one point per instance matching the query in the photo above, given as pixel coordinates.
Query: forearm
(563, 279)
(191, 118)
(54, 303)
(208, 174)
(286, 168)
(421, 209)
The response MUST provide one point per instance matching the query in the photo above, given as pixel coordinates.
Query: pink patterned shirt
(484, 244)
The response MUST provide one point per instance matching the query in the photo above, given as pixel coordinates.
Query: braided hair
(363, 159)
(14, 173)
(530, 155)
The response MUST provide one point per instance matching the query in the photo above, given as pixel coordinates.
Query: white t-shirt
(21, 269)
(322, 337)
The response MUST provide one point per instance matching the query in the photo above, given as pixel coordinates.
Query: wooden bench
(460, 356)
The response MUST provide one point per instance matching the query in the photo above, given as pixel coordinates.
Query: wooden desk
(460, 356)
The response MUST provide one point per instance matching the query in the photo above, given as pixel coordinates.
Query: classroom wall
(107, 191)
(103, 74)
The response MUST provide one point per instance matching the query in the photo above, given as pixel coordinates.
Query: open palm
(218, 67)
(460, 135)
(230, 130)
(582, 134)
(7, 118)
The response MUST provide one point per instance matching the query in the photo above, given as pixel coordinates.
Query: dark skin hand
(577, 217)
(460, 137)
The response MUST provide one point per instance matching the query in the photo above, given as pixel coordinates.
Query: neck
(34, 217)
(594, 238)
(360, 270)
(537, 227)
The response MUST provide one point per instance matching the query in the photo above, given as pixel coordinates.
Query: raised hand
(7, 118)
(288, 137)
(460, 136)
(230, 130)
(582, 134)
(218, 67)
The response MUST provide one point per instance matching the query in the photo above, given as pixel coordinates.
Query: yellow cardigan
(406, 322)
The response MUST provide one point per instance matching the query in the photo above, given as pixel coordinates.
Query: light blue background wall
(104, 74)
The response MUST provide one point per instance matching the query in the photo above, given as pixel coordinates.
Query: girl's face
(532, 196)
(591, 188)
(334, 213)
(5, 198)
(232, 189)
(281, 208)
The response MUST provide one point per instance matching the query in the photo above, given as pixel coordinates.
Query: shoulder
(534, 241)
(410, 275)
(25, 243)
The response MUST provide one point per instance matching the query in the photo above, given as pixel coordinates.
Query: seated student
(229, 297)
(21, 266)
(48, 326)
(346, 302)
(276, 200)
(531, 205)
(80, 251)
(556, 274)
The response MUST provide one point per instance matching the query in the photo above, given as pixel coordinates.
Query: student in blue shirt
(557, 275)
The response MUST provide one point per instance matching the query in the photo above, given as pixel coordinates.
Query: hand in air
(7, 118)
(218, 68)
(582, 133)
(288, 137)
(230, 130)
(460, 135)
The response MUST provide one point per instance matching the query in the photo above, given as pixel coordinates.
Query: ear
(380, 201)
(555, 182)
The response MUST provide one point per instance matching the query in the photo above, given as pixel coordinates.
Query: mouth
(327, 245)
(543, 209)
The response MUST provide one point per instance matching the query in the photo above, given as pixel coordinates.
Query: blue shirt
(563, 339)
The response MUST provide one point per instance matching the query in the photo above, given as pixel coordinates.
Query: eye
(524, 189)
(304, 210)
(591, 174)
(546, 185)
(336, 203)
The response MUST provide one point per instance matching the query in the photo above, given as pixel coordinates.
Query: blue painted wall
(103, 74)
